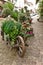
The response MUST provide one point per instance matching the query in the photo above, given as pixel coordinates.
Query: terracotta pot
(24, 25)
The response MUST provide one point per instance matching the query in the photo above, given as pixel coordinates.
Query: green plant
(6, 12)
(8, 5)
(40, 8)
(22, 17)
(14, 14)
(7, 9)
(12, 28)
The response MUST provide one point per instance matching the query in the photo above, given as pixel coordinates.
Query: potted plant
(14, 14)
(7, 9)
(6, 12)
(11, 30)
(40, 11)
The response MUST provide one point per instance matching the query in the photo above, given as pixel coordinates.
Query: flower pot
(40, 19)
(24, 25)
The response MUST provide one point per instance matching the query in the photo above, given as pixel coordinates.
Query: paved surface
(34, 53)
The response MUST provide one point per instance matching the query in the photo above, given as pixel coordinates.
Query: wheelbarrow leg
(2, 35)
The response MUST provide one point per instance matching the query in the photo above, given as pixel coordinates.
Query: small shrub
(14, 15)
(8, 5)
(6, 12)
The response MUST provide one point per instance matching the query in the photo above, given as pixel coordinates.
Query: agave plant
(11, 28)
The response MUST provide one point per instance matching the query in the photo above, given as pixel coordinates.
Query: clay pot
(24, 25)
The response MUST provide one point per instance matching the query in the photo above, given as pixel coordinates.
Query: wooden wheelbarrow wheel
(21, 48)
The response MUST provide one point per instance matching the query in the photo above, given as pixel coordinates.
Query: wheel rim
(21, 48)
(20, 51)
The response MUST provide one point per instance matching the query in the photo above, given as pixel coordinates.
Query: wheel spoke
(20, 50)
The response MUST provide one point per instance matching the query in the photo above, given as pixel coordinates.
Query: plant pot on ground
(40, 10)
(40, 19)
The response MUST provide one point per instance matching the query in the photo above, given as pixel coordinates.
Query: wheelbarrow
(19, 44)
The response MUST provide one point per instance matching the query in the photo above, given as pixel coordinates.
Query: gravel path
(34, 53)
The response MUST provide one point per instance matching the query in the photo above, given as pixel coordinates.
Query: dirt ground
(34, 52)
